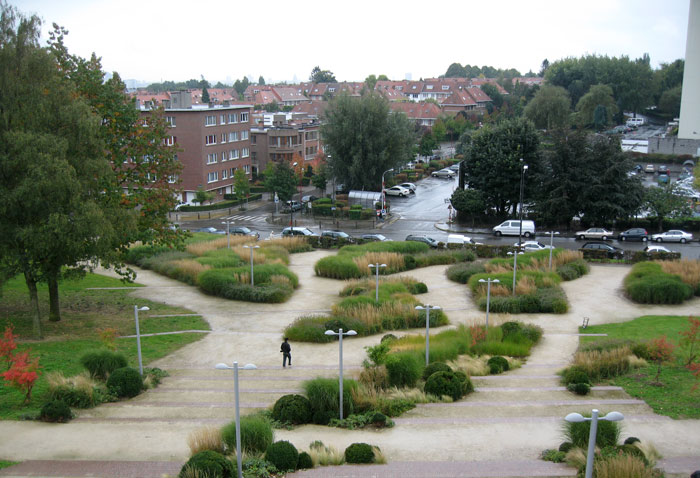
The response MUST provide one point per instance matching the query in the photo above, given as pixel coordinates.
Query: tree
(272, 107)
(492, 162)
(550, 108)
(493, 93)
(598, 95)
(371, 81)
(383, 78)
(670, 102)
(320, 179)
(321, 76)
(364, 138)
(201, 196)
(280, 179)
(241, 186)
(205, 95)
(543, 68)
(660, 351)
(261, 80)
(456, 70)
(427, 144)
(468, 202)
(664, 201)
(240, 86)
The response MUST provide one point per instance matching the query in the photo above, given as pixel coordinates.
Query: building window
(210, 120)
(170, 140)
(331, 90)
(233, 118)
(245, 152)
(311, 135)
(224, 156)
(246, 168)
(222, 119)
(233, 136)
(244, 135)
(445, 87)
(244, 117)
(224, 174)
(253, 140)
(170, 121)
(234, 154)
(211, 158)
(213, 177)
(210, 139)
(223, 137)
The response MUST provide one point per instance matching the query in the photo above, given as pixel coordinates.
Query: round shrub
(510, 328)
(445, 383)
(209, 463)
(125, 382)
(359, 453)
(566, 446)
(575, 374)
(283, 455)
(631, 440)
(404, 369)
(580, 388)
(388, 338)
(256, 434)
(101, 364)
(435, 367)
(295, 409)
(409, 262)
(417, 288)
(633, 450)
(378, 418)
(55, 411)
(498, 364)
(323, 417)
(305, 462)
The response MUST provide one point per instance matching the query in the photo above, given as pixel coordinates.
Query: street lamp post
(340, 335)
(520, 217)
(250, 366)
(138, 309)
(228, 232)
(252, 276)
(376, 267)
(427, 309)
(577, 417)
(383, 194)
(488, 281)
(551, 246)
(291, 203)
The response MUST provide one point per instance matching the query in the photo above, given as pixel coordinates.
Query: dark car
(612, 251)
(244, 231)
(663, 169)
(428, 240)
(634, 234)
(375, 237)
(338, 235)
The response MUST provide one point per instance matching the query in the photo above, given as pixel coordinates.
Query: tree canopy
(550, 108)
(280, 179)
(321, 76)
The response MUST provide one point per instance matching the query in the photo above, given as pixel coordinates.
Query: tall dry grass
(243, 253)
(604, 364)
(497, 268)
(205, 438)
(622, 466)
(564, 257)
(199, 248)
(379, 458)
(280, 279)
(525, 286)
(289, 243)
(190, 268)
(322, 455)
(496, 289)
(687, 270)
(81, 382)
(393, 260)
(372, 316)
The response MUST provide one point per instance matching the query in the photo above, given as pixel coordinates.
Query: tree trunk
(54, 305)
(34, 305)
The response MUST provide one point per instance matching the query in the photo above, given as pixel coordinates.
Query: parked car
(656, 249)
(243, 231)
(292, 206)
(310, 198)
(461, 239)
(663, 179)
(410, 186)
(210, 230)
(297, 231)
(594, 233)
(375, 237)
(634, 234)
(444, 173)
(512, 228)
(674, 235)
(650, 168)
(663, 169)
(397, 191)
(530, 246)
(338, 235)
(454, 167)
(428, 240)
(612, 251)
(637, 168)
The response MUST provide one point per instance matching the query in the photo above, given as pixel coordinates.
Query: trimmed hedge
(461, 272)
(283, 455)
(435, 367)
(646, 283)
(295, 409)
(125, 382)
(220, 205)
(55, 411)
(359, 453)
(224, 283)
(446, 383)
(208, 463)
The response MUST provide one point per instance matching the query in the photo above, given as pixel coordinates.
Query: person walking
(286, 350)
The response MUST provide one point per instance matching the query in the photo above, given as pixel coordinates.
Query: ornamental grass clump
(687, 270)
(79, 391)
(578, 432)
(256, 434)
(205, 438)
(102, 363)
(605, 363)
(647, 283)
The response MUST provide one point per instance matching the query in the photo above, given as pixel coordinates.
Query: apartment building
(282, 137)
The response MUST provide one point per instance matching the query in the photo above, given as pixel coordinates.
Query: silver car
(594, 233)
(444, 173)
(674, 235)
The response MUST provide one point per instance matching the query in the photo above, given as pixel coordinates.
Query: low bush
(573, 270)
(283, 455)
(359, 453)
(125, 382)
(604, 364)
(394, 407)
(575, 374)
(216, 283)
(308, 329)
(294, 409)
(323, 394)
(555, 456)
(102, 363)
(433, 367)
(208, 463)
(362, 420)
(205, 438)
(305, 462)
(256, 434)
(461, 272)
(647, 283)
(578, 432)
(404, 369)
(497, 364)
(579, 388)
(79, 391)
(446, 383)
(566, 446)
(55, 411)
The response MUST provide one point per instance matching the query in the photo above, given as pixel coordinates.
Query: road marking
(247, 218)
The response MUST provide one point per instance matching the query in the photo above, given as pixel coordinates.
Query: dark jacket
(285, 347)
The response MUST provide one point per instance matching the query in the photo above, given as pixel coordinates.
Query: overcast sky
(155, 40)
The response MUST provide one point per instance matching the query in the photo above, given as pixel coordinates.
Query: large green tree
(665, 201)
(550, 108)
(598, 95)
(321, 76)
(241, 185)
(492, 162)
(364, 138)
(280, 179)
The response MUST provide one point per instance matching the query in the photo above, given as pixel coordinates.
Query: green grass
(676, 398)
(83, 313)
(5, 464)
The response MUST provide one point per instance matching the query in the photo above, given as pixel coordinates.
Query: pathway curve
(510, 417)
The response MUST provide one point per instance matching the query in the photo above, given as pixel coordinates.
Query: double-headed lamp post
(291, 202)
(577, 417)
(383, 194)
(427, 308)
(250, 366)
(252, 278)
(138, 309)
(520, 220)
(488, 281)
(228, 232)
(340, 335)
(376, 267)
(551, 246)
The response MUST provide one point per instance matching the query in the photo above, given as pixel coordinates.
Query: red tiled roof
(316, 108)
(459, 98)
(288, 93)
(424, 110)
(478, 94)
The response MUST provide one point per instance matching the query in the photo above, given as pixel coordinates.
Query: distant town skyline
(158, 40)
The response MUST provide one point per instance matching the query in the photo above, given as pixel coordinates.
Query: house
(424, 114)
(283, 137)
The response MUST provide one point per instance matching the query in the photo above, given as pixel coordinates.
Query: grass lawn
(5, 464)
(676, 398)
(84, 312)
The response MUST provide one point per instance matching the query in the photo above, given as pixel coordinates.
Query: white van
(460, 240)
(634, 122)
(512, 228)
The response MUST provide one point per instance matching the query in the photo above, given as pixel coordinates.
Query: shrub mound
(575, 374)
(323, 395)
(580, 388)
(446, 383)
(404, 369)
(283, 455)
(497, 364)
(647, 283)
(256, 434)
(295, 409)
(578, 432)
(433, 367)
(359, 453)
(125, 382)
(305, 462)
(462, 271)
(102, 363)
(55, 411)
(210, 464)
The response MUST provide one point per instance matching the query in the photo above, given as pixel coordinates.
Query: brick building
(281, 137)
